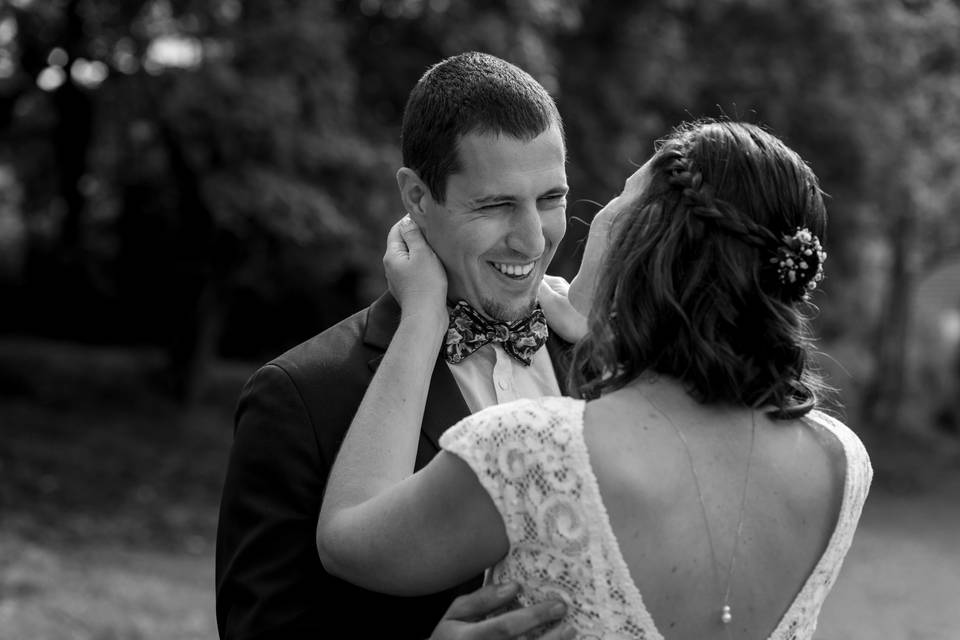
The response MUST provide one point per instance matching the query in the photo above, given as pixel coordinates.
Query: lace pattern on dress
(531, 458)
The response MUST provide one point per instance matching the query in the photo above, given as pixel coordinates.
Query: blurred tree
(865, 91)
(217, 176)
(228, 151)
(635, 70)
(909, 124)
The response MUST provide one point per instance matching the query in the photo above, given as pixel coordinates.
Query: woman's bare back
(793, 498)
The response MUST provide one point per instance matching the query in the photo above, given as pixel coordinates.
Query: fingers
(560, 632)
(404, 238)
(396, 245)
(554, 284)
(467, 618)
(482, 602)
(562, 317)
(411, 233)
(520, 621)
(544, 290)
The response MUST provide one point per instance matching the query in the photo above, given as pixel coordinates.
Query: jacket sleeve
(266, 561)
(270, 583)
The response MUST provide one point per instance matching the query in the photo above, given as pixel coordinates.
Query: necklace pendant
(726, 616)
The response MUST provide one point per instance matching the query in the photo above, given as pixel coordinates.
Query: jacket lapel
(383, 318)
(445, 404)
(560, 351)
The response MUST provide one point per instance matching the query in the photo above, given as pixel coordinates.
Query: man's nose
(526, 232)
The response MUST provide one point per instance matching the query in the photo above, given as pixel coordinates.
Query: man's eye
(554, 201)
(498, 205)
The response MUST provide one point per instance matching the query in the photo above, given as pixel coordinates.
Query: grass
(109, 494)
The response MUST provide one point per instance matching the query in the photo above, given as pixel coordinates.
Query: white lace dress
(531, 458)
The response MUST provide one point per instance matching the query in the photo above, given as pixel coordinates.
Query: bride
(692, 489)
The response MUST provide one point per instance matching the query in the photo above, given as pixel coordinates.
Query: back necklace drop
(726, 614)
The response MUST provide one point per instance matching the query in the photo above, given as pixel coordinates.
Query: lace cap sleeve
(515, 450)
(531, 458)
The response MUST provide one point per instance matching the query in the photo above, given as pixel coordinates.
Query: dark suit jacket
(291, 418)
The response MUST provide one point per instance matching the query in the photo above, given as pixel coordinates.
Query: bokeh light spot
(8, 31)
(88, 73)
(51, 78)
(7, 67)
(57, 57)
(175, 51)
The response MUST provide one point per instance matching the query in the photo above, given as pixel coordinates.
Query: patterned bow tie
(469, 331)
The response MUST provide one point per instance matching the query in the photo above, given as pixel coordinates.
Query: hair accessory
(799, 261)
(798, 257)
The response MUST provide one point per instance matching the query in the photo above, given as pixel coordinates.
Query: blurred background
(190, 187)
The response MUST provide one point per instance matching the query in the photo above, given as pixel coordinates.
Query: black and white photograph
(451, 320)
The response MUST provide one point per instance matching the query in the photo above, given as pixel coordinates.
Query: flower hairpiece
(799, 261)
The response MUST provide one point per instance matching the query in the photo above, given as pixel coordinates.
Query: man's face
(501, 222)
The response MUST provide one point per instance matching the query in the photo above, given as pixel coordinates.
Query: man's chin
(507, 311)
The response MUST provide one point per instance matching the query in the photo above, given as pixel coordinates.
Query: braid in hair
(699, 199)
(700, 280)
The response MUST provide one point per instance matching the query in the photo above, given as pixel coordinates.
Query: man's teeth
(514, 269)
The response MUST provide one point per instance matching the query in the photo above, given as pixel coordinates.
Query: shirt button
(503, 384)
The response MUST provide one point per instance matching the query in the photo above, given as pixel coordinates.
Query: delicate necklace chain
(726, 616)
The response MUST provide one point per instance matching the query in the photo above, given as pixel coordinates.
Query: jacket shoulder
(321, 380)
(337, 344)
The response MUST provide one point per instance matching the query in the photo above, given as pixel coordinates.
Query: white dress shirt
(489, 376)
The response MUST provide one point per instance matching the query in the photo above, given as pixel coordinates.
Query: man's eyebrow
(491, 199)
(559, 190)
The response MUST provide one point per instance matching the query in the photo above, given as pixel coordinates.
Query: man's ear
(414, 194)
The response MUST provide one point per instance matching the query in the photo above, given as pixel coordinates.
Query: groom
(484, 178)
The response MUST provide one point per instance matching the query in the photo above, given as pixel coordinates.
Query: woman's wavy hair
(688, 288)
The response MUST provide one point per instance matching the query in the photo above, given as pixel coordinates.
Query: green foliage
(251, 147)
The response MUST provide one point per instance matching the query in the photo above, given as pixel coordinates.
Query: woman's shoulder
(844, 434)
(849, 445)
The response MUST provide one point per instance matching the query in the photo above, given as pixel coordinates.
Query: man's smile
(514, 271)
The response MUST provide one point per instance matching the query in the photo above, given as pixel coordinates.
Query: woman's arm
(381, 527)
(431, 531)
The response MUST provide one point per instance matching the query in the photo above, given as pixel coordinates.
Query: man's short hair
(469, 93)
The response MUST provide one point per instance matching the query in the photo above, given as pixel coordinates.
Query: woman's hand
(490, 613)
(633, 189)
(562, 318)
(584, 284)
(415, 275)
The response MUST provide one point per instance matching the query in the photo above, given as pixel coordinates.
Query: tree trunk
(195, 290)
(71, 137)
(884, 393)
